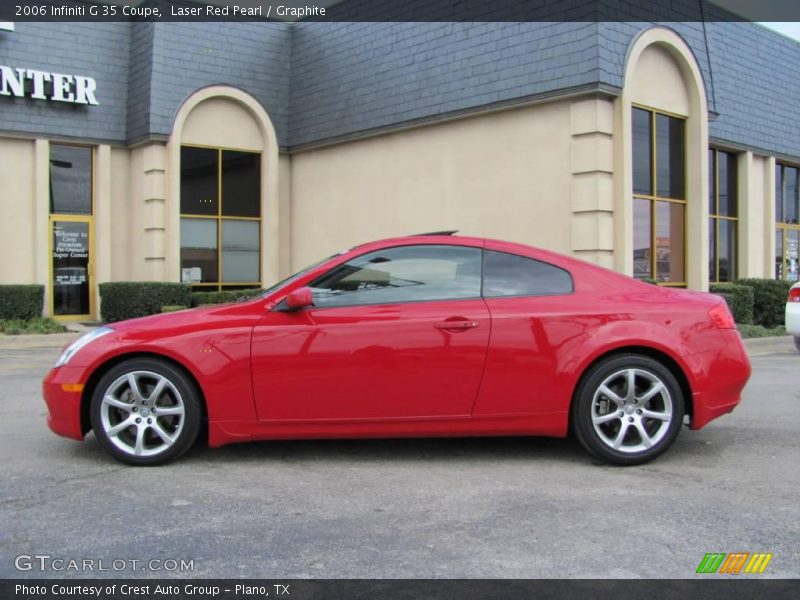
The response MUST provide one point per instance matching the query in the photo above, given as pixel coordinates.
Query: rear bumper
(720, 379)
(793, 318)
(64, 406)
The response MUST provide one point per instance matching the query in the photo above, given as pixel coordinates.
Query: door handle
(456, 325)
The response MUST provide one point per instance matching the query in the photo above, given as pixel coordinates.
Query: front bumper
(64, 405)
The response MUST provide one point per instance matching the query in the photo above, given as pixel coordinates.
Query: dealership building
(228, 155)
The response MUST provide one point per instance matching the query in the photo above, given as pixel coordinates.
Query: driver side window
(402, 274)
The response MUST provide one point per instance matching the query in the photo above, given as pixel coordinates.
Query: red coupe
(427, 335)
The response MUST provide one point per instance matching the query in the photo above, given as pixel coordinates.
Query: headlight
(82, 341)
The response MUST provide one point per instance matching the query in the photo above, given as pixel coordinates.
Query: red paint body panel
(369, 362)
(391, 371)
(551, 424)
(64, 408)
(720, 375)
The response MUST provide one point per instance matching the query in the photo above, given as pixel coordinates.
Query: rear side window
(512, 275)
(402, 274)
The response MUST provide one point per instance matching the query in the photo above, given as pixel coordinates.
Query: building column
(154, 159)
(284, 218)
(41, 219)
(592, 185)
(769, 218)
(101, 258)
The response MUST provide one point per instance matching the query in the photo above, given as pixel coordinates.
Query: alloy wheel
(142, 413)
(632, 410)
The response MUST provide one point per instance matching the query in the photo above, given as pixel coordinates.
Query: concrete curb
(51, 340)
(770, 345)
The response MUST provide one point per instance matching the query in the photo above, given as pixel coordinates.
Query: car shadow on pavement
(406, 450)
(694, 447)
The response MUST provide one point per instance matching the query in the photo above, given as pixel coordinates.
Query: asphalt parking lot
(521, 508)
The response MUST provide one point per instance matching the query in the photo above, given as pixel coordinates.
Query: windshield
(297, 275)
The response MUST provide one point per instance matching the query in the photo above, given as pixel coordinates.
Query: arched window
(220, 218)
(659, 196)
(661, 216)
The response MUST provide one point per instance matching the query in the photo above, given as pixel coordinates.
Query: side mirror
(300, 298)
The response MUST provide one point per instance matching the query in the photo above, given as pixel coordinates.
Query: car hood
(204, 316)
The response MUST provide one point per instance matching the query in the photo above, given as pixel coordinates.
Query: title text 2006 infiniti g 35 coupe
(429, 335)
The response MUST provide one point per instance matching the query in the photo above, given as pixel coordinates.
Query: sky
(790, 29)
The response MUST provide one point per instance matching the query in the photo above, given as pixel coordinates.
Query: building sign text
(45, 85)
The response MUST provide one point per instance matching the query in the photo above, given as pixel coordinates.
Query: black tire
(134, 430)
(603, 395)
(797, 342)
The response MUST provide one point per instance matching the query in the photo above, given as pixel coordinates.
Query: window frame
(53, 217)
(384, 303)
(282, 306)
(653, 199)
(716, 216)
(220, 285)
(483, 277)
(92, 177)
(782, 226)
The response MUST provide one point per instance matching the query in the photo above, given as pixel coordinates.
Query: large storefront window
(659, 197)
(787, 225)
(220, 218)
(71, 199)
(723, 200)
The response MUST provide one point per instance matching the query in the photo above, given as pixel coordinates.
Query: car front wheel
(797, 342)
(145, 412)
(628, 409)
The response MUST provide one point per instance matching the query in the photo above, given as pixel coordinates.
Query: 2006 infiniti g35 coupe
(428, 335)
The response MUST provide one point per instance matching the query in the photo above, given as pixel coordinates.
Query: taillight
(794, 295)
(722, 317)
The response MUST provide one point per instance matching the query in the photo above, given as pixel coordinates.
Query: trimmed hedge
(172, 308)
(741, 300)
(222, 297)
(120, 300)
(21, 301)
(769, 300)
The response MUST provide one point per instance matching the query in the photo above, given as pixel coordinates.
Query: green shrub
(21, 301)
(120, 300)
(172, 308)
(741, 300)
(28, 326)
(769, 300)
(757, 331)
(222, 297)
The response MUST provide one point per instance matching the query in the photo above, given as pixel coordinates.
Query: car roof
(449, 237)
(578, 267)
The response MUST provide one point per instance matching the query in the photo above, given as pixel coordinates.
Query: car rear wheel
(628, 409)
(145, 412)
(797, 342)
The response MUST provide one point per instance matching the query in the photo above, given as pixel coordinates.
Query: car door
(400, 332)
(533, 315)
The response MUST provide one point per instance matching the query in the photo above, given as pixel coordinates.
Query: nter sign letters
(44, 85)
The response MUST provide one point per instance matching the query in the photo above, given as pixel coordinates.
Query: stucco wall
(504, 175)
(122, 231)
(17, 222)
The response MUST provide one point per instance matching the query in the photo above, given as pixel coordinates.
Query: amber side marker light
(722, 317)
(72, 387)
